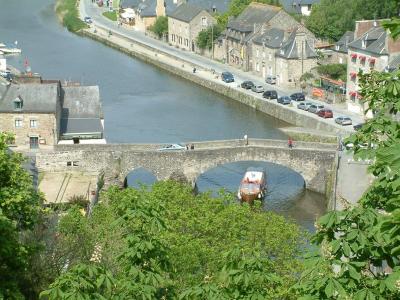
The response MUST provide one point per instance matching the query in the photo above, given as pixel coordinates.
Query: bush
(112, 15)
(67, 11)
(160, 27)
(204, 41)
(334, 71)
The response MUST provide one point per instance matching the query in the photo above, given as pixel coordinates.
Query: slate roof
(394, 62)
(344, 41)
(147, 8)
(81, 102)
(289, 48)
(37, 98)
(271, 38)
(130, 3)
(254, 14)
(186, 12)
(76, 126)
(374, 41)
(221, 6)
(294, 6)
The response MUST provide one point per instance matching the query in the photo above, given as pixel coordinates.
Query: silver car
(270, 79)
(257, 88)
(173, 147)
(315, 108)
(343, 120)
(304, 105)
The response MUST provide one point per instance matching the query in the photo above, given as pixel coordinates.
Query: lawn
(112, 15)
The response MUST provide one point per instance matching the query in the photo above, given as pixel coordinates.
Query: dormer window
(18, 103)
(363, 44)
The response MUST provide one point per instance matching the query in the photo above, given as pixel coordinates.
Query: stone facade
(44, 127)
(183, 34)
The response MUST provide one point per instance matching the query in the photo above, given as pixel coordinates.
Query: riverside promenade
(207, 74)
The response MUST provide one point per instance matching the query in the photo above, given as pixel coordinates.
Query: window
(204, 21)
(309, 7)
(33, 123)
(257, 53)
(257, 67)
(18, 104)
(18, 123)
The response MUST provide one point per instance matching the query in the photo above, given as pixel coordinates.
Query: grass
(112, 15)
(67, 12)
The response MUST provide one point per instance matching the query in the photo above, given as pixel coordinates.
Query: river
(142, 103)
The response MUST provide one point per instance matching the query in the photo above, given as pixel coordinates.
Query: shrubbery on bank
(67, 11)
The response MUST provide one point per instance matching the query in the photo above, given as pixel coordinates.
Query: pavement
(204, 65)
(61, 186)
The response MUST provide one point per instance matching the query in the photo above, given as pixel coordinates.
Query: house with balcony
(372, 49)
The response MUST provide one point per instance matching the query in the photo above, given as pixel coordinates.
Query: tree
(206, 38)
(334, 71)
(160, 27)
(331, 19)
(360, 246)
(19, 212)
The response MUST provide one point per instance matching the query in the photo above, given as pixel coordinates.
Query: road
(87, 8)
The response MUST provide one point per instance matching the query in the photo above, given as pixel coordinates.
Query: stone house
(254, 20)
(35, 113)
(341, 48)
(372, 49)
(185, 23)
(149, 10)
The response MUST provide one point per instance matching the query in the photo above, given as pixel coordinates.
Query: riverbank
(207, 78)
(68, 15)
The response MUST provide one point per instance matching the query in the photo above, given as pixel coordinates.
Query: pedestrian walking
(246, 139)
(290, 143)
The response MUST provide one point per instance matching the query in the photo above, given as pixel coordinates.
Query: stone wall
(315, 165)
(179, 32)
(196, 26)
(45, 130)
(297, 117)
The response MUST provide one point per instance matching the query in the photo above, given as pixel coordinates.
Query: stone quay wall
(183, 69)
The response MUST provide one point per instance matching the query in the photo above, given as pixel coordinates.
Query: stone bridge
(314, 161)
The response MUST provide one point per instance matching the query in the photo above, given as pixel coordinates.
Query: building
(372, 49)
(236, 40)
(40, 113)
(149, 10)
(185, 23)
(3, 63)
(303, 7)
(340, 49)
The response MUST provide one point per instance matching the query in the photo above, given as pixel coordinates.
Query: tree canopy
(160, 27)
(331, 19)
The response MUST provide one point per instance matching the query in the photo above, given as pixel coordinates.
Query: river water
(142, 103)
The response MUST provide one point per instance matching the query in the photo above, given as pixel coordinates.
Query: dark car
(284, 100)
(270, 95)
(325, 113)
(298, 97)
(227, 77)
(358, 126)
(247, 85)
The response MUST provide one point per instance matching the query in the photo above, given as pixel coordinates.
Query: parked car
(88, 20)
(284, 100)
(325, 113)
(315, 108)
(173, 147)
(358, 126)
(342, 120)
(298, 97)
(304, 105)
(257, 88)
(270, 79)
(270, 94)
(227, 77)
(247, 85)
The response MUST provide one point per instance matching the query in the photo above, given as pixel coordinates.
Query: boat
(253, 185)
(6, 49)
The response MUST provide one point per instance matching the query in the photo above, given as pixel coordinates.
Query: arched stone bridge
(314, 161)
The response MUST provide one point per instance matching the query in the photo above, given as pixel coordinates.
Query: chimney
(363, 26)
(160, 8)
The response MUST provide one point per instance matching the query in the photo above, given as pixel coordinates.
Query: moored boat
(253, 185)
(8, 49)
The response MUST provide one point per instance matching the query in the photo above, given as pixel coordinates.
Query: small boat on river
(253, 185)
(9, 49)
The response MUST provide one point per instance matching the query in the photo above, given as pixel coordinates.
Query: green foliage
(306, 76)
(393, 26)
(160, 27)
(331, 19)
(356, 241)
(19, 212)
(112, 15)
(163, 241)
(68, 12)
(206, 37)
(334, 71)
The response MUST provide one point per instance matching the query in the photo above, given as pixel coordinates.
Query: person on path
(290, 143)
(246, 139)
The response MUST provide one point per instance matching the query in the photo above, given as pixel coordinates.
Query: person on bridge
(290, 143)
